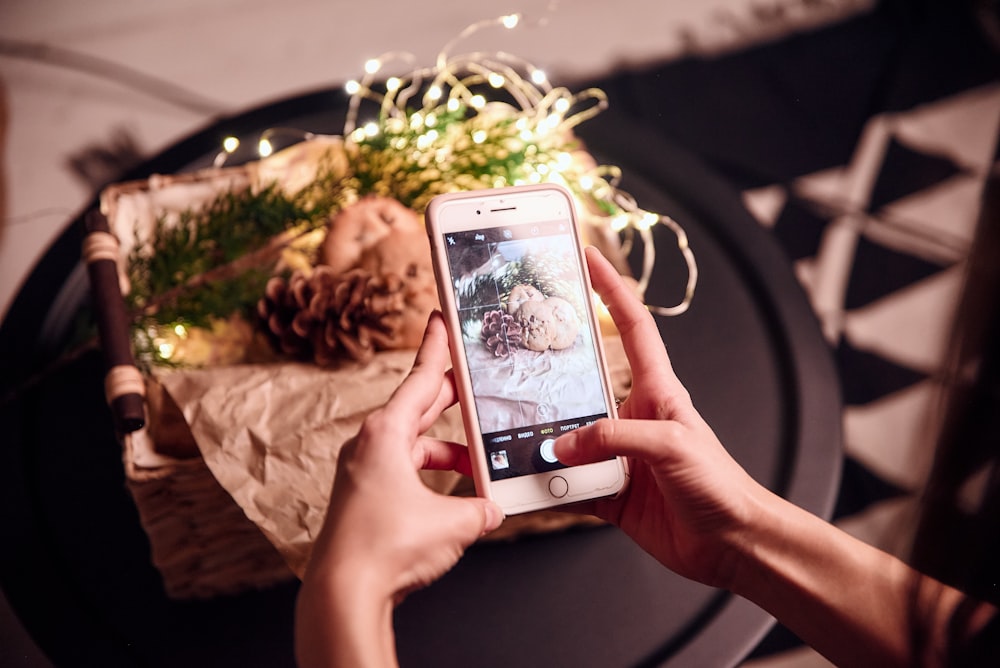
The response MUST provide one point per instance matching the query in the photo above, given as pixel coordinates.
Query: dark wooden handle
(124, 387)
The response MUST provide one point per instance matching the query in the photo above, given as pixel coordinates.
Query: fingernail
(494, 517)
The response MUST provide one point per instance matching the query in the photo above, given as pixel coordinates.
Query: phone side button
(558, 487)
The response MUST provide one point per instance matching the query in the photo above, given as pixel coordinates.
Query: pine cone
(328, 317)
(501, 333)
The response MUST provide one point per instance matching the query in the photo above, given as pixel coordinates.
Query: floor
(862, 153)
(867, 159)
(880, 244)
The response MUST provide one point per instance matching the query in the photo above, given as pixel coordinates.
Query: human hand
(385, 532)
(688, 503)
(692, 507)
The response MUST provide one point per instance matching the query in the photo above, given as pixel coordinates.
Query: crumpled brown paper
(271, 433)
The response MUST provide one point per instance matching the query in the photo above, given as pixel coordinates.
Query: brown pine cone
(501, 333)
(327, 317)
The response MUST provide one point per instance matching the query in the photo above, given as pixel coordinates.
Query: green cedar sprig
(214, 261)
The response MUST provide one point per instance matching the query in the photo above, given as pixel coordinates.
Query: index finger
(640, 335)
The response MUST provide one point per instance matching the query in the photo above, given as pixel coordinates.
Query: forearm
(342, 622)
(850, 601)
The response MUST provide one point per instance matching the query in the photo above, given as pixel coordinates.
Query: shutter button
(547, 450)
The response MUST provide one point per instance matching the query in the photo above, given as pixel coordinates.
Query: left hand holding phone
(386, 533)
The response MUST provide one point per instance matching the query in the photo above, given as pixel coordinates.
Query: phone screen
(533, 366)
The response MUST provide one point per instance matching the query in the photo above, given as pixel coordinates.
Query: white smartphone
(525, 344)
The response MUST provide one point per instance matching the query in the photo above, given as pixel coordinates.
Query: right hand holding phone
(689, 503)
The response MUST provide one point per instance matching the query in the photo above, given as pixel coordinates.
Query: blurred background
(90, 89)
(859, 131)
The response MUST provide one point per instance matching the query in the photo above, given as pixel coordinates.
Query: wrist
(344, 617)
(785, 548)
(842, 596)
(749, 527)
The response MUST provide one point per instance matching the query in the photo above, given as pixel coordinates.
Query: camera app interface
(531, 354)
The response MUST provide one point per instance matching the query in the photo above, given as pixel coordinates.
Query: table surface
(77, 570)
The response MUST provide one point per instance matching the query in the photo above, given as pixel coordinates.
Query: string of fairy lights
(488, 119)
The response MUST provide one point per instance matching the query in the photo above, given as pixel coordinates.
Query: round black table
(75, 564)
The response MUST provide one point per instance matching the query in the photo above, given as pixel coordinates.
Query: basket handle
(124, 386)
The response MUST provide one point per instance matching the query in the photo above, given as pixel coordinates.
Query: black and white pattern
(864, 148)
(880, 246)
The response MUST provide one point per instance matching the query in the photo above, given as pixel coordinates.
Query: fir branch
(262, 257)
(193, 270)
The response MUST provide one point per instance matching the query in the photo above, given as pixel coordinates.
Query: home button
(558, 487)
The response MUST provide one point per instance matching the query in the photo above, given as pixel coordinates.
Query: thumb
(494, 516)
(490, 515)
(648, 440)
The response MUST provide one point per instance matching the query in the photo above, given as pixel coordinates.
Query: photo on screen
(522, 312)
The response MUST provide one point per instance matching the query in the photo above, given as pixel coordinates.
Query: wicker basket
(201, 541)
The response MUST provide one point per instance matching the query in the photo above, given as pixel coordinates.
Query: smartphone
(525, 343)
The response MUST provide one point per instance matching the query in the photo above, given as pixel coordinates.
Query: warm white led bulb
(477, 101)
(648, 220)
(549, 123)
(538, 76)
(373, 65)
(230, 144)
(435, 92)
(425, 141)
(510, 21)
(496, 80)
(352, 87)
(265, 148)
(392, 84)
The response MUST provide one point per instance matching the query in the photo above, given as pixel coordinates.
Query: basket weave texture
(201, 541)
